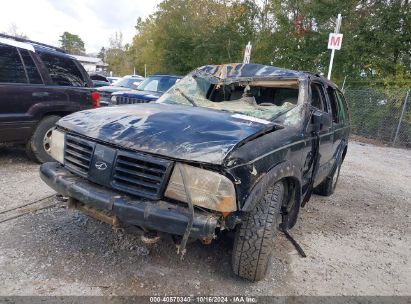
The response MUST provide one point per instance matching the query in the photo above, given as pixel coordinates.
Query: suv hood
(179, 132)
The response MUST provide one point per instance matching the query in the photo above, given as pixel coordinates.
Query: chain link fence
(381, 115)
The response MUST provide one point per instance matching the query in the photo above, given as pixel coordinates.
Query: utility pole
(402, 115)
(343, 85)
(334, 43)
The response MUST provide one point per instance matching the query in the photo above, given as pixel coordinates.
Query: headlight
(207, 189)
(113, 99)
(57, 146)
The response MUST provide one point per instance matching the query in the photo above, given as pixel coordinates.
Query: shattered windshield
(264, 99)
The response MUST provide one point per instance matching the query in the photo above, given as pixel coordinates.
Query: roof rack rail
(33, 42)
(318, 74)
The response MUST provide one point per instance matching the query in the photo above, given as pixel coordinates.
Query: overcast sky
(93, 20)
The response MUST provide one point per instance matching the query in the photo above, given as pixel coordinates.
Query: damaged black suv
(230, 147)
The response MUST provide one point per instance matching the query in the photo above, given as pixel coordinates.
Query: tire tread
(254, 239)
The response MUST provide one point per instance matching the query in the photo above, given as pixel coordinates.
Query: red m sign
(335, 41)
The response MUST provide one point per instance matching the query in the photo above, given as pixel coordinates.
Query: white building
(91, 64)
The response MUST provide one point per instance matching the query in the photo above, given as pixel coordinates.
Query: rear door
(66, 84)
(17, 86)
(338, 117)
(319, 101)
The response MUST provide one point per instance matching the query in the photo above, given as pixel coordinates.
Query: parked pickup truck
(230, 147)
(39, 84)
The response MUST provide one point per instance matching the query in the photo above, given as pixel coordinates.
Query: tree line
(183, 34)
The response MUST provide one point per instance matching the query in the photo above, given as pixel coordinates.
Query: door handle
(40, 94)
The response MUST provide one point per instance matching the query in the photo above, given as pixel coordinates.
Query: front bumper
(153, 215)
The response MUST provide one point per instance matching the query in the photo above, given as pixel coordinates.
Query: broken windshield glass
(264, 99)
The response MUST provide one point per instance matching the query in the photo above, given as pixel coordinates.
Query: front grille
(129, 100)
(141, 175)
(130, 172)
(78, 154)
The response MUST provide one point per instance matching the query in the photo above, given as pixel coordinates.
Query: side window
(166, 83)
(11, 67)
(318, 97)
(63, 71)
(152, 85)
(334, 105)
(343, 105)
(31, 69)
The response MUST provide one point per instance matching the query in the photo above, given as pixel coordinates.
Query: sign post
(334, 43)
(247, 53)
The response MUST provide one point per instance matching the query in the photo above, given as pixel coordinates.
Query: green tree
(72, 44)
(102, 54)
(118, 55)
(184, 34)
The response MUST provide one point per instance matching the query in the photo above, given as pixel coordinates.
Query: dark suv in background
(150, 89)
(129, 82)
(38, 85)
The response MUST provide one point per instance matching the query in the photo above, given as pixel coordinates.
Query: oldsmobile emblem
(100, 165)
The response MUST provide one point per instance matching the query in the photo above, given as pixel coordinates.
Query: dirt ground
(358, 241)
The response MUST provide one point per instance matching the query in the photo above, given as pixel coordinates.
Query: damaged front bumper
(152, 215)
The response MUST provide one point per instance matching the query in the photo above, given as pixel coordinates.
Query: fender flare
(41, 109)
(280, 171)
(340, 154)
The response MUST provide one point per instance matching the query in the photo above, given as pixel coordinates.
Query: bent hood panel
(180, 132)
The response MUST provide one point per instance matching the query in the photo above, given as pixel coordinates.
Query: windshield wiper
(186, 97)
(229, 111)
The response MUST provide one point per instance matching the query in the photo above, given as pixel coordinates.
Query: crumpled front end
(130, 210)
(177, 132)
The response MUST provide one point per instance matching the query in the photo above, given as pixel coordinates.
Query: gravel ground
(19, 179)
(357, 242)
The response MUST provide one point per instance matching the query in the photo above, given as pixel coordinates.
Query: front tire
(254, 239)
(37, 146)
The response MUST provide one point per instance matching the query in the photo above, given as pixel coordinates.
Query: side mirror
(321, 121)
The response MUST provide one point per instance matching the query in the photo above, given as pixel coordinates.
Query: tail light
(95, 98)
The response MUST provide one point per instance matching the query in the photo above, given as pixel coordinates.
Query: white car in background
(113, 79)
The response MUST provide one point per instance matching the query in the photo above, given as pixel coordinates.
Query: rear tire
(327, 187)
(254, 239)
(37, 146)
